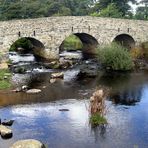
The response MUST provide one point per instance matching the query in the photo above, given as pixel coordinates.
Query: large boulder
(5, 132)
(30, 143)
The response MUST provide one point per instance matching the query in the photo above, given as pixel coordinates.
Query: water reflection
(38, 116)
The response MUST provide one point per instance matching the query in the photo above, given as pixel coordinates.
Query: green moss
(97, 119)
(5, 82)
(72, 43)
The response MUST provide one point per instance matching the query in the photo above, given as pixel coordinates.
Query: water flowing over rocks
(75, 55)
(33, 91)
(30, 143)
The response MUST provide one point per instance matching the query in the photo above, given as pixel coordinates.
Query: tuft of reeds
(97, 107)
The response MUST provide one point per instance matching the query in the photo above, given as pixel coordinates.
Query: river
(37, 115)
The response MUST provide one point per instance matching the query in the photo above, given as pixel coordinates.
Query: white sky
(135, 6)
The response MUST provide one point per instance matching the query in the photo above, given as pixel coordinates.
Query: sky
(135, 6)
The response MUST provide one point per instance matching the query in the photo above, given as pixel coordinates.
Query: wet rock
(30, 143)
(64, 110)
(88, 69)
(24, 88)
(57, 75)
(7, 122)
(33, 91)
(52, 81)
(52, 65)
(5, 132)
(17, 90)
(64, 64)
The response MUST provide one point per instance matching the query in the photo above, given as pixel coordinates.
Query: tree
(142, 13)
(122, 5)
(110, 11)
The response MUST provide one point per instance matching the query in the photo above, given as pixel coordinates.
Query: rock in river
(33, 91)
(57, 75)
(5, 132)
(7, 122)
(30, 143)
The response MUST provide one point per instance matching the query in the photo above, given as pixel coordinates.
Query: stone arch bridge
(51, 31)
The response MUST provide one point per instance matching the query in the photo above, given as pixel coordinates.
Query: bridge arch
(89, 42)
(27, 45)
(125, 40)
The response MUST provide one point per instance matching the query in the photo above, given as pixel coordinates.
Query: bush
(72, 43)
(136, 53)
(144, 49)
(115, 57)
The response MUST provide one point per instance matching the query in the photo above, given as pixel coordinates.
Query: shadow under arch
(125, 40)
(27, 45)
(89, 42)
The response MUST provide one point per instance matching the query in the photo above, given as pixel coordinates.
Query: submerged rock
(5, 132)
(33, 91)
(30, 143)
(7, 122)
(64, 110)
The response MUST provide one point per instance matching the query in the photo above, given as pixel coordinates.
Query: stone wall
(51, 31)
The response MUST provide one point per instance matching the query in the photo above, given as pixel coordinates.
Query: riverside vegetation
(102, 8)
(5, 79)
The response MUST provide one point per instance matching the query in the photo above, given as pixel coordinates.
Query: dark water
(38, 116)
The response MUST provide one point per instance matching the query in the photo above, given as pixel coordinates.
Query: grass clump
(115, 57)
(72, 43)
(97, 107)
(5, 77)
(97, 119)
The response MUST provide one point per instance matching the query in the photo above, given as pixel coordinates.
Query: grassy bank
(5, 78)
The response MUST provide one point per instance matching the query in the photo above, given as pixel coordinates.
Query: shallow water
(38, 116)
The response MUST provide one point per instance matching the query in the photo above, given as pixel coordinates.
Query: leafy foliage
(115, 57)
(22, 9)
(16, 9)
(110, 11)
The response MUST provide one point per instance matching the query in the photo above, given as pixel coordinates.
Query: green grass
(115, 57)
(97, 119)
(5, 83)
